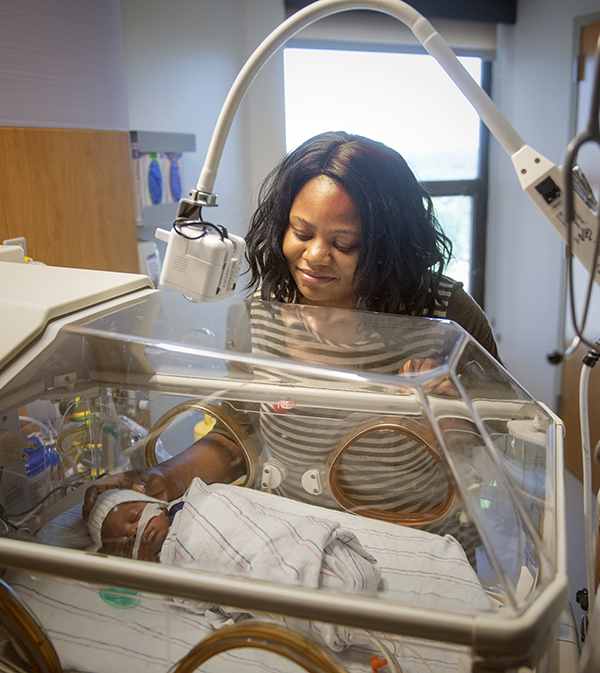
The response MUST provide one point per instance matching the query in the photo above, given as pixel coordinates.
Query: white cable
(586, 455)
(421, 28)
(40, 425)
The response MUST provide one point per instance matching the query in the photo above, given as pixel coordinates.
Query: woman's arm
(213, 458)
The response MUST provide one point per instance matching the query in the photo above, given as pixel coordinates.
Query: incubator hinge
(273, 473)
(312, 482)
(67, 381)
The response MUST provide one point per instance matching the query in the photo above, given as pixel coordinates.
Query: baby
(232, 530)
(236, 531)
(128, 523)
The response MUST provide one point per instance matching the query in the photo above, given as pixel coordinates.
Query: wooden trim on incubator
(407, 428)
(237, 432)
(69, 192)
(26, 632)
(276, 638)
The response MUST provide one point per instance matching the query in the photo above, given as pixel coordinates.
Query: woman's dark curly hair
(403, 250)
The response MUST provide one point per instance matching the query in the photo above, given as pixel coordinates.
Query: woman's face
(322, 243)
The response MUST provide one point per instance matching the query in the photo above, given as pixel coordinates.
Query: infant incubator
(450, 478)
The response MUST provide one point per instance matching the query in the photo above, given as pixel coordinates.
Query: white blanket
(223, 529)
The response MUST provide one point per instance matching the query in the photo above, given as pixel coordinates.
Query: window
(408, 102)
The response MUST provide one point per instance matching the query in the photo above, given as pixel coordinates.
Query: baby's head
(128, 523)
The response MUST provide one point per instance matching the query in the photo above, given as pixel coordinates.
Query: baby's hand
(146, 481)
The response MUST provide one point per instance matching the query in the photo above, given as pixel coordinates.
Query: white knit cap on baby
(106, 502)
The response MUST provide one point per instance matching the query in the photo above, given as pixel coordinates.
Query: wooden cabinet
(69, 192)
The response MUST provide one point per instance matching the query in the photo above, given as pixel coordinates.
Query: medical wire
(69, 482)
(596, 535)
(586, 455)
(579, 327)
(591, 134)
(33, 510)
(49, 430)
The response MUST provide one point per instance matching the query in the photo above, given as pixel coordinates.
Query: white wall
(61, 65)
(532, 87)
(181, 59)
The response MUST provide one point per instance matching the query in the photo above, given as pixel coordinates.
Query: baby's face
(120, 529)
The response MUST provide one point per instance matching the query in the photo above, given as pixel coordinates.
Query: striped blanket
(225, 529)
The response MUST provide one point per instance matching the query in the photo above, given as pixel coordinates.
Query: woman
(341, 223)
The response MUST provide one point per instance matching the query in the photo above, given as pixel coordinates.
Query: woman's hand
(213, 458)
(149, 481)
(417, 366)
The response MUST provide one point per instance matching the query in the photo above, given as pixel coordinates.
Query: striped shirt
(382, 470)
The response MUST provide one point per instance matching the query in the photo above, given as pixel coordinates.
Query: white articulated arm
(539, 177)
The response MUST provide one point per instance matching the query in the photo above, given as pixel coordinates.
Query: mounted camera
(202, 260)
